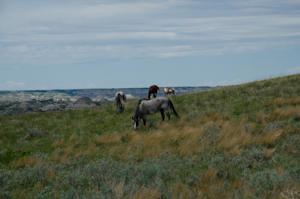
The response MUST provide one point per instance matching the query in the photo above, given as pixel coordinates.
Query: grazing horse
(168, 91)
(120, 99)
(153, 90)
(148, 107)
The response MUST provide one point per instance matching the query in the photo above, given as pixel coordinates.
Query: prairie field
(231, 142)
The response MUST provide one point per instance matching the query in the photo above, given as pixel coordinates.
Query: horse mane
(141, 99)
(136, 110)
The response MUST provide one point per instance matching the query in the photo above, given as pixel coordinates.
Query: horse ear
(132, 117)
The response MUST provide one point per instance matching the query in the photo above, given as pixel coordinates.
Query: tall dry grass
(183, 138)
(281, 113)
(145, 192)
(30, 161)
(283, 101)
(190, 138)
(74, 148)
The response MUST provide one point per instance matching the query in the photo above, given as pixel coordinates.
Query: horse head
(135, 122)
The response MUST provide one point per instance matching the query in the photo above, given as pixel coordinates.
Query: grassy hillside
(233, 142)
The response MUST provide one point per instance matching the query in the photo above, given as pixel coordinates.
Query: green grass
(235, 141)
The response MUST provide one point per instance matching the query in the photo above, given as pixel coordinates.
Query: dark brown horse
(153, 90)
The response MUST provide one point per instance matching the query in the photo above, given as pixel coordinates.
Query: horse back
(154, 105)
(154, 88)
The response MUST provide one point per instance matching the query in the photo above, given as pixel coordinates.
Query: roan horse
(120, 99)
(153, 90)
(168, 91)
(148, 107)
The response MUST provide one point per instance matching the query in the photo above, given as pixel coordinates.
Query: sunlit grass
(256, 123)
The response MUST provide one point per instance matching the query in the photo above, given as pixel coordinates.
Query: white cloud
(21, 49)
(15, 84)
(92, 85)
(9, 67)
(40, 87)
(11, 85)
(294, 70)
(224, 83)
(61, 33)
(211, 83)
(236, 82)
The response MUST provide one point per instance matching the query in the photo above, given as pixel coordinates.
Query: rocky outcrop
(84, 102)
(29, 104)
(33, 106)
(52, 100)
(53, 107)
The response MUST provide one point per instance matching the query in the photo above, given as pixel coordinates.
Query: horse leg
(117, 107)
(162, 114)
(168, 114)
(144, 119)
(141, 118)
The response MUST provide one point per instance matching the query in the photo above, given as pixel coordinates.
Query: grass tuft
(232, 142)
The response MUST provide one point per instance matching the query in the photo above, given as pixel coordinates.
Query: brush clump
(232, 142)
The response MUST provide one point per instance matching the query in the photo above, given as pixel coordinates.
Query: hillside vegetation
(232, 142)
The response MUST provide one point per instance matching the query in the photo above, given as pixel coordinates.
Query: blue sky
(137, 43)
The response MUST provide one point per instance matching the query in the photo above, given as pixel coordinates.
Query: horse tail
(173, 109)
(122, 101)
(149, 93)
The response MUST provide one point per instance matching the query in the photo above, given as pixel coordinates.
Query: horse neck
(136, 112)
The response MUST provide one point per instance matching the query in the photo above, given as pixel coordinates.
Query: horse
(153, 90)
(149, 107)
(139, 102)
(168, 91)
(142, 99)
(120, 99)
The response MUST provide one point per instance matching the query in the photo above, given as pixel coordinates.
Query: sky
(74, 44)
